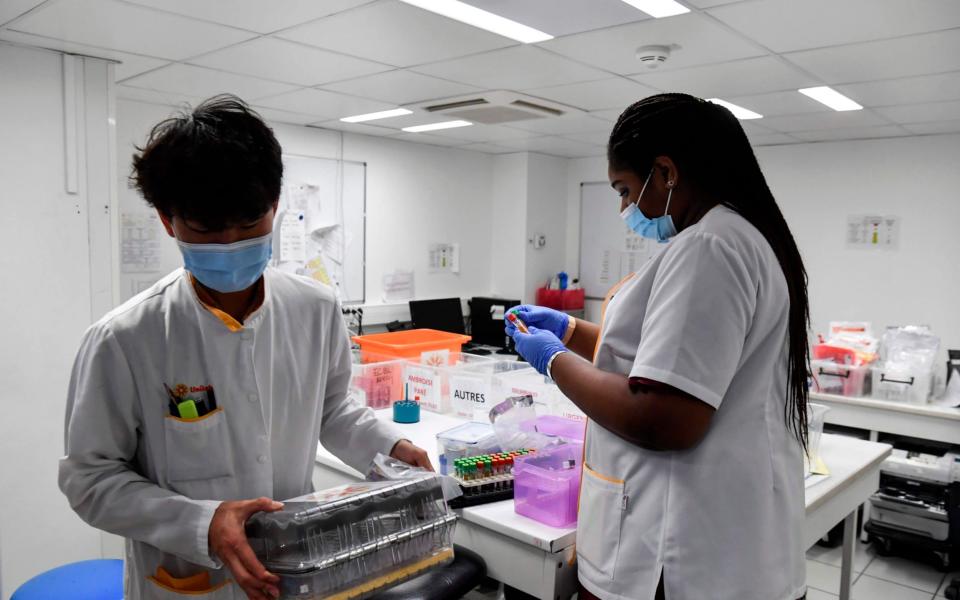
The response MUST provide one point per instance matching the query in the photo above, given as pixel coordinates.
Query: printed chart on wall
(319, 228)
(609, 250)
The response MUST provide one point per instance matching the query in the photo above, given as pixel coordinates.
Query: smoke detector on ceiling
(654, 55)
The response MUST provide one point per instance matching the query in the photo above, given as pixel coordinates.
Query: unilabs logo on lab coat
(190, 401)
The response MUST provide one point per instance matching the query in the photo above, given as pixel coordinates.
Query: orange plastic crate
(409, 344)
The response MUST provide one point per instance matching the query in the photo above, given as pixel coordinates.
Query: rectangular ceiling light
(383, 114)
(830, 97)
(659, 8)
(471, 15)
(435, 126)
(744, 114)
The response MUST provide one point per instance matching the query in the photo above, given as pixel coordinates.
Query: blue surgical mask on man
(659, 228)
(228, 267)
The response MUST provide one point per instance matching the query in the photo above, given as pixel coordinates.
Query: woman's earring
(670, 183)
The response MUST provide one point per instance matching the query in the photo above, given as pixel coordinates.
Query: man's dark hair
(218, 165)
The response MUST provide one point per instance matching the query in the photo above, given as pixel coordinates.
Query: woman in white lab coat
(695, 382)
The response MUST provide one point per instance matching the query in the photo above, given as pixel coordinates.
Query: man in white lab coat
(196, 403)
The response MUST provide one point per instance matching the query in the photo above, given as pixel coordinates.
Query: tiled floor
(875, 577)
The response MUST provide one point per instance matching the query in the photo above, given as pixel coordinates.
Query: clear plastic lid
(330, 528)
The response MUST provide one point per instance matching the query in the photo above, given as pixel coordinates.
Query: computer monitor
(445, 314)
(486, 320)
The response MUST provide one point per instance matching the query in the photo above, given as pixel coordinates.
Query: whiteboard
(609, 250)
(320, 230)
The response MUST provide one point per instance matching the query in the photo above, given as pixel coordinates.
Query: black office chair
(453, 581)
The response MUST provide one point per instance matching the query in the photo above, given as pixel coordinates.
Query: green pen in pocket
(188, 410)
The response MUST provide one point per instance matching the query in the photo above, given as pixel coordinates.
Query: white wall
(818, 186)
(546, 215)
(56, 283)
(509, 230)
(416, 194)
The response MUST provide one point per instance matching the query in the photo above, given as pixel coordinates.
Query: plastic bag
(911, 347)
(386, 468)
(506, 419)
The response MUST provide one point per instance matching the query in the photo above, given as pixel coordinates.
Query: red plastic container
(410, 344)
(561, 299)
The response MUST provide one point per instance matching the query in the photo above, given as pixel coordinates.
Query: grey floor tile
(946, 581)
(905, 572)
(815, 594)
(823, 577)
(871, 588)
(862, 556)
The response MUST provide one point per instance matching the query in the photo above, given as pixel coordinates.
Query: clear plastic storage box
(816, 417)
(430, 379)
(831, 377)
(469, 439)
(547, 397)
(546, 485)
(376, 383)
(355, 540)
(902, 383)
(473, 391)
(566, 429)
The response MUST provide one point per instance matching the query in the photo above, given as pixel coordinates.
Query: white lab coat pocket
(602, 502)
(198, 448)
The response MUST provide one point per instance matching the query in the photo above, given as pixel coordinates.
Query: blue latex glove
(537, 347)
(554, 321)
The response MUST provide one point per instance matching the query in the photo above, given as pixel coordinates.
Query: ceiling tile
(577, 123)
(610, 115)
(907, 90)
(200, 81)
(616, 92)
(557, 146)
(255, 15)
(128, 28)
(282, 116)
(920, 113)
(564, 17)
(779, 103)
(788, 25)
(702, 42)
(324, 104)
(933, 127)
(128, 64)
(885, 59)
(281, 60)
(772, 139)
(156, 97)
(753, 127)
(708, 3)
(401, 87)
(736, 78)
(11, 9)
(489, 148)
(513, 68)
(427, 138)
(484, 133)
(362, 128)
(396, 34)
(824, 120)
(596, 138)
(853, 133)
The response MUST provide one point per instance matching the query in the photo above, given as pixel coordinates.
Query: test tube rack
(485, 478)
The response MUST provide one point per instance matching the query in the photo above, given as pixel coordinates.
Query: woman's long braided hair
(710, 149)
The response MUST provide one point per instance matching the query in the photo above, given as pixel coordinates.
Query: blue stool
(86, 580)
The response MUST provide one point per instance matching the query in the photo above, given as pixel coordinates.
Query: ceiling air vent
(492, 108)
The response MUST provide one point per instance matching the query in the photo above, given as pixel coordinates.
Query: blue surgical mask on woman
(659, 228)
(228, 267)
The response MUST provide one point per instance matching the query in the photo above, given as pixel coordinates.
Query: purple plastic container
(568, 429)
(546, 485)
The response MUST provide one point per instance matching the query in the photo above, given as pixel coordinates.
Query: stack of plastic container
(547, 397)
(376, 381)
(465, 441)
(906, 372)
(547, 484)
(473, 391)
(430, 381)
(356, 540)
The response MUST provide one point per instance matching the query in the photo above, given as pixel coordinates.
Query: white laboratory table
(540, 560)
(924, 421)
